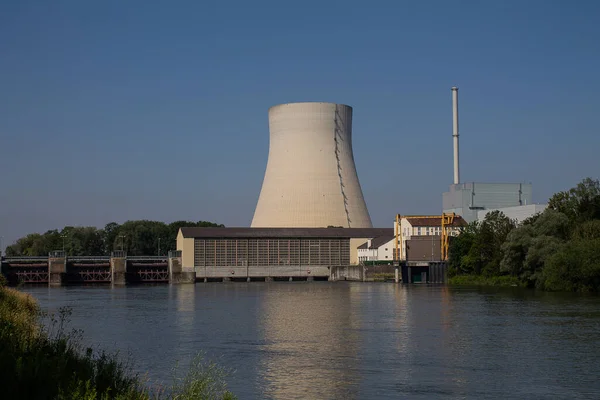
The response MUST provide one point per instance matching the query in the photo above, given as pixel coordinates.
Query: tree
(574, 267)
(579, 204)
(109, 236)
(138, 238)
(527, 247)
(458, 248)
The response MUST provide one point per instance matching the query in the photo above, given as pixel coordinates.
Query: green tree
(575, 266)
(459, 248)
(579, 204)
(587, 230)
(138, 238)
(109, 237)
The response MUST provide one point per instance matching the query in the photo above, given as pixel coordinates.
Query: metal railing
(114, 254)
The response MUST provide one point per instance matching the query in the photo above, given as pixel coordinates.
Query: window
(419, 231)
(386, 249)
(386, 256)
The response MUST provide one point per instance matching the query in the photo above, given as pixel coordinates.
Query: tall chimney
(455, 132)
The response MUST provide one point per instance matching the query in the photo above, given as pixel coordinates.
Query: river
(338, 340)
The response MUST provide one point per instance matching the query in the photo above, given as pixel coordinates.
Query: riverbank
(480, 280)
(44, 360)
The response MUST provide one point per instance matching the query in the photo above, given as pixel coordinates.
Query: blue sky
(120, 110)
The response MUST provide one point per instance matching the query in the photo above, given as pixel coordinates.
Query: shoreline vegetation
(556, 250)
(137, 238)
(46, 361)
(480, 280)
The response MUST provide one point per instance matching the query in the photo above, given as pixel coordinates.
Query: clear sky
(117, 110)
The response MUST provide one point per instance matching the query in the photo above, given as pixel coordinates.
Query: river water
(338, 340)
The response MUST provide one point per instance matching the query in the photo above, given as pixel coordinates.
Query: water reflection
(310, 347)
(351, 340)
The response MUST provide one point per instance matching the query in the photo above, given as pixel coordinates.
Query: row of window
(271, 252)
(422, 231)
(371, 258)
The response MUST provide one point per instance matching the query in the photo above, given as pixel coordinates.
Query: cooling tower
(311, 179)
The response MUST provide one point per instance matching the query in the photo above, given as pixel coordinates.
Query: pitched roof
(380, 241)
(435, 221)
(214, 232)
(376, 242)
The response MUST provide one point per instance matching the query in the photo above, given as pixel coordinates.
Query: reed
(41, 359)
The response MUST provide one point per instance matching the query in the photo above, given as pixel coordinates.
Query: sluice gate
(59, 269)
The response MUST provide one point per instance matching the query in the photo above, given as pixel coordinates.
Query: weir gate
(117, 269)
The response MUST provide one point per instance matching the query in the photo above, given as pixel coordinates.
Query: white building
(470, 198)
(518, 213)
(377, 249)
(417, 227)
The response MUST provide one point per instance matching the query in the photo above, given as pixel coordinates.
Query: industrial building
(518, 213)
(468, 199)
(310, 178)
(272, 253)
(420, 237)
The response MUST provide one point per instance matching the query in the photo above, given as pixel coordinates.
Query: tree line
(137, 238)
(558, 249)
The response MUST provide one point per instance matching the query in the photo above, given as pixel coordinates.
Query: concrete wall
(519, 213)
(310, 178)
(261, 272)
(354, 243)
(57, 271)
(186, 246)
(118, 268)
(348, 273)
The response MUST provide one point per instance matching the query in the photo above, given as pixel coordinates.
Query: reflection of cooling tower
(311, 179)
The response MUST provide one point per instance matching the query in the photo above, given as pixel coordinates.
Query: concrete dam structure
(311, 179)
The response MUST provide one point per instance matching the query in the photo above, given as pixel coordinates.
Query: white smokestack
(455, 132)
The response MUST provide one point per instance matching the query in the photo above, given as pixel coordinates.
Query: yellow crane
(447, 221)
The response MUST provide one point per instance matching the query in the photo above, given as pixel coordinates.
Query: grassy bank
(382, 277)
(45, 361)
(480, 280)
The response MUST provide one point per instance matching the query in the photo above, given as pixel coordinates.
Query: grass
(45, 361)
(480, 280)
(382, 276)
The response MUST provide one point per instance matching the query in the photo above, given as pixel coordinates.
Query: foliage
(478, 251)
(553, 250)
(579, 204)
(480, 280)
(47, 361)
(576, 267)
(138, 238)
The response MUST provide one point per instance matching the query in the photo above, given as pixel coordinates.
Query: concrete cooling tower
(311, 179)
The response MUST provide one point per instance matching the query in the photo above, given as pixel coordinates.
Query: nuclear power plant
(474, 200)
(310, 179)
(311, 220)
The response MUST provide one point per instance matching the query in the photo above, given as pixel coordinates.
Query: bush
(49, 362)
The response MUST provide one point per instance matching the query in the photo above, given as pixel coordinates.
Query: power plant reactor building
(471, 199)
(311, 179)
